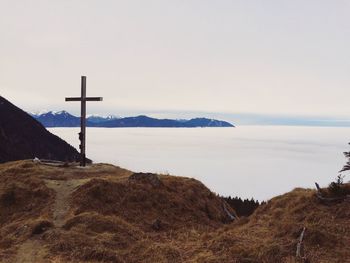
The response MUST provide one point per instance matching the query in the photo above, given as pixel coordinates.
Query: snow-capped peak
(59, 112)
(37, 113)
(44, 112)
(112, 117)
(65, 113)
(108, 117)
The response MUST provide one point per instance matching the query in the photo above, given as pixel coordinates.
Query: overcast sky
(266, 57)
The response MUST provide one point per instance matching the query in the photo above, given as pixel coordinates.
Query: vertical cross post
(83, 122)
(82, 135)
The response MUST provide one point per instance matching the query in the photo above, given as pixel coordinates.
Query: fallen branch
(50, 162)
(299, 245)
(328, 199)
(231, 216)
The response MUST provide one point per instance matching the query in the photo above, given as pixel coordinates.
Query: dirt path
(63, 189)
(33, 250)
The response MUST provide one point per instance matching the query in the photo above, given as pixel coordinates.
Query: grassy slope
(98, 214)
(272, 232)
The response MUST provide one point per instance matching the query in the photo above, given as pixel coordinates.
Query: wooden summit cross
(82, 135)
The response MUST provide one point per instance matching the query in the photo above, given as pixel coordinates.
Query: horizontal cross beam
(85, 99)
(82, 135)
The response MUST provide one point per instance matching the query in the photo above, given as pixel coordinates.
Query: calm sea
(247, 161)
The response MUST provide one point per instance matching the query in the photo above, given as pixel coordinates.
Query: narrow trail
(33, 250)
(63, 189)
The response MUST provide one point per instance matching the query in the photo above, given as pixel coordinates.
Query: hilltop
(108, 214)
(102, 213)
(65, 119)
(22, 137)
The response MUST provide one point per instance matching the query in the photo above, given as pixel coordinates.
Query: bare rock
(153, 179)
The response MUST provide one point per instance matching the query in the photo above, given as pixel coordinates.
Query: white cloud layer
(247, 161)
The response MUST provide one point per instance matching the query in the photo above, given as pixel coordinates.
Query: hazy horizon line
(236, 119)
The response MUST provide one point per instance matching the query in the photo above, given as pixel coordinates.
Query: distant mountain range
(65, 119)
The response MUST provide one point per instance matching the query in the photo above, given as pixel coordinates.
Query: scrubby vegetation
(338, 188)
(346, 167)
(244, 207)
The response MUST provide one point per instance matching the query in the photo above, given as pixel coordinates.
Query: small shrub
(337, 188)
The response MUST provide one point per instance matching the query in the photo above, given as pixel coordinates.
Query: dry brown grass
(110, 218)
(24, 204)
(271, 233)
(177, 205)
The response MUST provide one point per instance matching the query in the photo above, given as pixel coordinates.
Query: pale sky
(224, 56)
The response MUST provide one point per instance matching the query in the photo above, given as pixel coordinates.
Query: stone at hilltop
(153, 179)
(22, 137)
